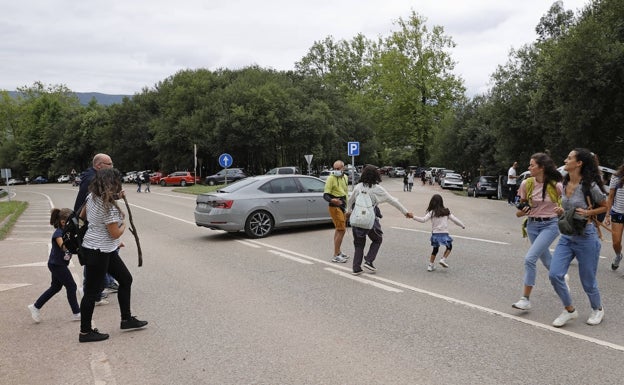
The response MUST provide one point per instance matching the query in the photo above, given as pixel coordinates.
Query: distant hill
(85, 97)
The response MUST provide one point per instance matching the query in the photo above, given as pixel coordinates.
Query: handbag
(569, 225)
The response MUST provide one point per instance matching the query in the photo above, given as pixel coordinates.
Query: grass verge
(9, 213)
(197, 189)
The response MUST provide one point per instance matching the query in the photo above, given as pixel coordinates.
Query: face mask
(337, 173)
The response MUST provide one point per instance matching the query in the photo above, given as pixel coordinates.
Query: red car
(155, 177)
(181, 178)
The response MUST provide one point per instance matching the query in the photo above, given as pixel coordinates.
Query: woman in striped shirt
(100, 243)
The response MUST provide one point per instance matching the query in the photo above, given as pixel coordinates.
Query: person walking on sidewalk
(101, 243)
(336, 193)
(539, 195)
(512, 187)
(439, 216)
(369, 183)
(57, 264)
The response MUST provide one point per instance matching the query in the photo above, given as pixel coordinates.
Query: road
(225, 309)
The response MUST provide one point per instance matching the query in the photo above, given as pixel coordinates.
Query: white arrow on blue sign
(353, 148)
(225, 160)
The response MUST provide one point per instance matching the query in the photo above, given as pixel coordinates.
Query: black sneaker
(369, 266)
(132, 323)
(357, 272)
(92, 336)
(113, 288)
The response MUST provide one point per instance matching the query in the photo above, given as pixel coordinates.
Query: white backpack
(363, 214)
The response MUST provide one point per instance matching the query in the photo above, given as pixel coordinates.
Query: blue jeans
(541, 235)
(586, 249)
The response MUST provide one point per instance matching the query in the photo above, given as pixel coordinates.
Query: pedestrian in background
(369, 183)
(615, 214)
(512, 187)
(410, 180)
(147, 181)
(583, 182)
(439, 217)
(539, 195)
(57, 264)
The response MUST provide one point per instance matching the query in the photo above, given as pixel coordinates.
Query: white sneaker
(101, 302)
(34, 313)
(522, 304)
(564, 318)
(431, 267)
(596, 316)
(75, 317)
(443, 262)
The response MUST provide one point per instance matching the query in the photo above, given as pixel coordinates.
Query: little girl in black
(57, 263)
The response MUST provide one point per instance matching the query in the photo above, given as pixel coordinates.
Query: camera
(522, 204)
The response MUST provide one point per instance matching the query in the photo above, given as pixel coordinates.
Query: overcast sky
(123, 46)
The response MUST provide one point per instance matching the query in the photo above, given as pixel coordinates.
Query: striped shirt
(97, 236)
(618, 199)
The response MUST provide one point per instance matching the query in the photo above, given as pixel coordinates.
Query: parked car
(155, 177)
(178, 178)
(452, 180)
(232, 174)
(63, 179)
(483, 186)
(260, 204)
(14, 181)
(283, 170)
(324, 175)
(129, 177)
(40, 179)
(397, 172)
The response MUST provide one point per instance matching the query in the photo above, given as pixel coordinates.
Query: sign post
(6, 173)
(225, 161)
(353, 149)
(308, 159)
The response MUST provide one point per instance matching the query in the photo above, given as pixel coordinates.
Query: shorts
(616, 217)
(338, 217)
(438, 239)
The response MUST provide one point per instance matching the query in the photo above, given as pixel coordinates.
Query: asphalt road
(224, 309)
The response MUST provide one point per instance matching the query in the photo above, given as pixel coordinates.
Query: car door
(312, 190)
(286, 203)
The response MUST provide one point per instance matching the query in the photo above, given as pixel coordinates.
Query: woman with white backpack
(363, 213)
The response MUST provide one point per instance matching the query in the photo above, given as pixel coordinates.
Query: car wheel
(211, 182)
(259, 224)
(163, 183)
(183, 183)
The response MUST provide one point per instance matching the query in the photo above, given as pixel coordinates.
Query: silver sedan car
(452, 180)
(260, 204)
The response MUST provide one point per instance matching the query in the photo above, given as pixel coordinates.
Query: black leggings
(437, 248)
(98, 264)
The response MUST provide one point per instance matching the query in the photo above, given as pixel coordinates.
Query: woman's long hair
(436, 207)
(106, 185)
(589, 170)
(370, 176)
(551, 174)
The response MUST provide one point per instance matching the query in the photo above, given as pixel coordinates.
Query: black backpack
(73, 234)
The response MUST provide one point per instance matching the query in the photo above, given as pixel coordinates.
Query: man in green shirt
(336, 191)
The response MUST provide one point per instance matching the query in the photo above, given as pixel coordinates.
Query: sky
(124, 46)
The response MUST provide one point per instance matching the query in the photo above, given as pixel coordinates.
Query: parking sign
(353, 148)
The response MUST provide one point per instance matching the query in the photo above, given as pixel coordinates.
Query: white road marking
(9, 286)
(101, 369)
(34, 264)
(164, 215)
(364, 280)
(454, 236)
(249, 244)
(288, 256)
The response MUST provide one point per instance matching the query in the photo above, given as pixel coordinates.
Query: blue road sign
(353, 148)
(225, 160)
